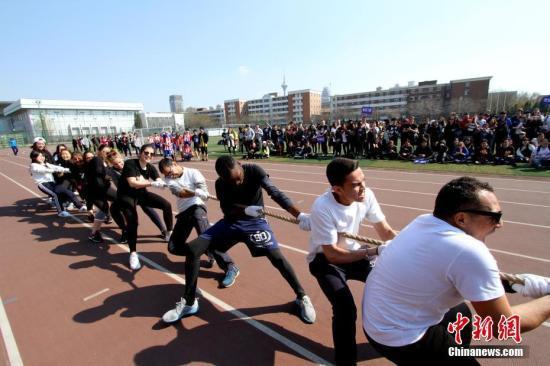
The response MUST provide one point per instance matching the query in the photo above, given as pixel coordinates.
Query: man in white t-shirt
(333, 259)
(421, 280)
(190, 187)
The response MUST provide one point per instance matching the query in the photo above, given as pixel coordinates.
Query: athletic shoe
(96, 238)
(307, 311)
(108, 220)
(64, 214)
(180, 311)
(123, 239)
(70, 207)
(83, 209)
(230, 276)
(91, 218)
(134, 261)
(167, 235)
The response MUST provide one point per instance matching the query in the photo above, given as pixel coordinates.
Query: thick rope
(512, 278)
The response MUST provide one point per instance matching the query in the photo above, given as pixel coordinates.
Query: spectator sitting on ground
(541, 157)
(406, 151)
(524, 152)
(506, 153)
(441, 153)
(187, 152)
(305, 152)
(460, 153)
(423, 151)
(390, 151)
(483, 154)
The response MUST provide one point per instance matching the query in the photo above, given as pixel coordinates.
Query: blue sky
(209, 51)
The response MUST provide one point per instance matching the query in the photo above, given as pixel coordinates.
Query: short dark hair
(146, 146)
(224, 165)
(459, 194)
(339, 168)
(34, 155)
(165, 163)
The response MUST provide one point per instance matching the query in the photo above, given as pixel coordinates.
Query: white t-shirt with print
(430, 267)
(191, 179)
(328, 218)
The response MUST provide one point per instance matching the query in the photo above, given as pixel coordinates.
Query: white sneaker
(134, 261)
(83, 209)
(180, 311)
(307, 311)
(64, 214)
(70, 206)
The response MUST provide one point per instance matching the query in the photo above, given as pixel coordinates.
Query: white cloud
(243, 70)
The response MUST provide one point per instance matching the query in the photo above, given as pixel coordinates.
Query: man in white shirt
(190, 187)
(438, 261)
(332, 259)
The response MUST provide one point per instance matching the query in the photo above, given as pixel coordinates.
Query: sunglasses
(496, 216)
(148, 153)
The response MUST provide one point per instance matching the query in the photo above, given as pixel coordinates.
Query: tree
(138, 121)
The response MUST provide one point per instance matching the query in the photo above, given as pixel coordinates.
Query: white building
(216, 114)
(163, 120)
(66, 118)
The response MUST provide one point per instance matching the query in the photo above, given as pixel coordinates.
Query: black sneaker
(108, 220)
(96, 238)
(209, 263)
(123, 239)
(91, 218)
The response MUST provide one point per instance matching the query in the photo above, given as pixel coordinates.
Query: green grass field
(467, 169)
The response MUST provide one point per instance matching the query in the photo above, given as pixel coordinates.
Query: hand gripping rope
(512, 278)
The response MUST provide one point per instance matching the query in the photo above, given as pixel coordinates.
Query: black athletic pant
(194, 217)
(433, 347)
(59, 194)
(332, 279)
(147, 199)
(195, 248)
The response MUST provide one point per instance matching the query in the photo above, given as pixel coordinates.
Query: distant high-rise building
(325, 97)
(176, 104)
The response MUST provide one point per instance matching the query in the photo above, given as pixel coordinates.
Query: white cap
(39, 139)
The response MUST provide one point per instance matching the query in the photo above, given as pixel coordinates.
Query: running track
(67, 301)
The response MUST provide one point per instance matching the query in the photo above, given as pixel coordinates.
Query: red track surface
(70, 302)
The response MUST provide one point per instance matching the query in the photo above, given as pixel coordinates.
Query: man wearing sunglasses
(422, 279)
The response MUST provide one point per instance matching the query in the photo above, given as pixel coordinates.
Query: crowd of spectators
(521, 137)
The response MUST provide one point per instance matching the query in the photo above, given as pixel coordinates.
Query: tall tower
(176, 104)
(284, 86)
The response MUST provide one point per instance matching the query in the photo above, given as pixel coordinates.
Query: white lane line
(96, 294)
(262, 328)
(520, 255)
(9, 339)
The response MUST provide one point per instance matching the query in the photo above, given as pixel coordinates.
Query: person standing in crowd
(13, 146)
(239, 189)
(203, 143)
(333, 260)
(541, 157)
(41, 172)
(137, 175)
(85, 142)
(422, 278)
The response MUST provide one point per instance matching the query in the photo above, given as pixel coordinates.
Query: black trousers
(195, 217)
(332, 279)
(148, 199)
(433, 347)
(197, 247)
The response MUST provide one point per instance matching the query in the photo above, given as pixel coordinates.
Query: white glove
(381, 248)
(201, 194)
(304, 222)
(535, 286)
(158, 184)
(66, 170)
(254, 211)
